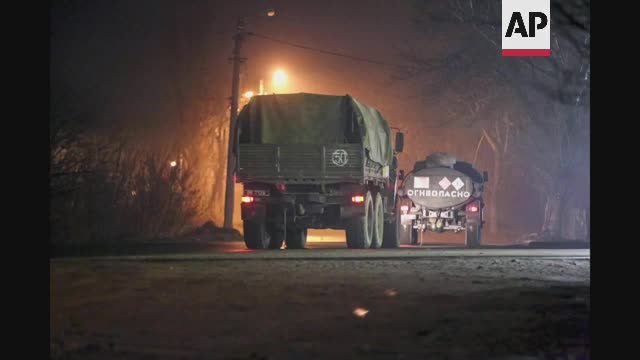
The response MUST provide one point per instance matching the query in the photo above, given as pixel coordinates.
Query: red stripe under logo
(522, 52)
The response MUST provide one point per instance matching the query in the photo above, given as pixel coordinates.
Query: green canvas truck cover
(315, 119)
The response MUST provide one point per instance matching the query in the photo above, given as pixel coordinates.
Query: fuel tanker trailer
(441, 194)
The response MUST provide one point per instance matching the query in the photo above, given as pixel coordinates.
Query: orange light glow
(357, 199)
(247, 199)
(173, 163)
(279, 80)
(248, 94)
(241, 251)
(360, 312)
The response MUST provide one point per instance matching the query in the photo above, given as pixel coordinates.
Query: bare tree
(111, 181)
(551, 92)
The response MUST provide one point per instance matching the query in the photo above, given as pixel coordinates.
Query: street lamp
(238, 38)
(248, 94)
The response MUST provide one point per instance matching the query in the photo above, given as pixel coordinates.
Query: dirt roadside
(476, 308)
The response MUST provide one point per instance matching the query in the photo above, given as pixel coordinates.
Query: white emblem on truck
(457, 183)
(340, 157)
(421, 182)
(444, 183)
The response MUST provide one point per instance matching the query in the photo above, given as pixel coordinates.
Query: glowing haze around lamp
(279, 80)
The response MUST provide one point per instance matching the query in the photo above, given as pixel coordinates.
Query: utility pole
(235, 94)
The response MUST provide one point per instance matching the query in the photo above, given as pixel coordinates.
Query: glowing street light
(279, 79)
(271, 13)
(248, 94)
(173, 163)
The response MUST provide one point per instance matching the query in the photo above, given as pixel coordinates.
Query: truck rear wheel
(296, 238)
(472, 235)
(359, 229)
(378, 222)
(256, 235)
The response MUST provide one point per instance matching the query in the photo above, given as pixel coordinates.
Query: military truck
(312, 161)
(441, 194)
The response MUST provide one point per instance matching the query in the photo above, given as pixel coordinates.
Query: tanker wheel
(378, 222)
(413, 236)
(277, 238)
(296, 238)
(409, 234)
(393, 231)
(472, 235)
(360, 229)
(256, 235)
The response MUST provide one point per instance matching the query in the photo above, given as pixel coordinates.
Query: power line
(356, 58)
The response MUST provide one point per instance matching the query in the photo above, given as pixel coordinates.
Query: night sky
(121, 52)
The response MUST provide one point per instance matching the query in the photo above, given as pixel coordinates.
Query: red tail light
(357, 199)
(473, 208)
(247, 199)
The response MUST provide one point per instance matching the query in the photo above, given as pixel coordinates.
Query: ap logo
(526, 28)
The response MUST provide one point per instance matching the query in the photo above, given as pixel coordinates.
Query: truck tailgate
(300, 163)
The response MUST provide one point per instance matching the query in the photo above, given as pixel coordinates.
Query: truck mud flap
(253, 211)
(351, 211)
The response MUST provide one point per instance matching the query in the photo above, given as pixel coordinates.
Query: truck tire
(256, 235)
(378, 222)
(359, 229)
(277, 238)
(407, 235)
(296, 238)
(413, 236)
(392, 231)
(472, 235)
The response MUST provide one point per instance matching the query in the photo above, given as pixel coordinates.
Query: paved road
(207, 300)
(320, 245)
